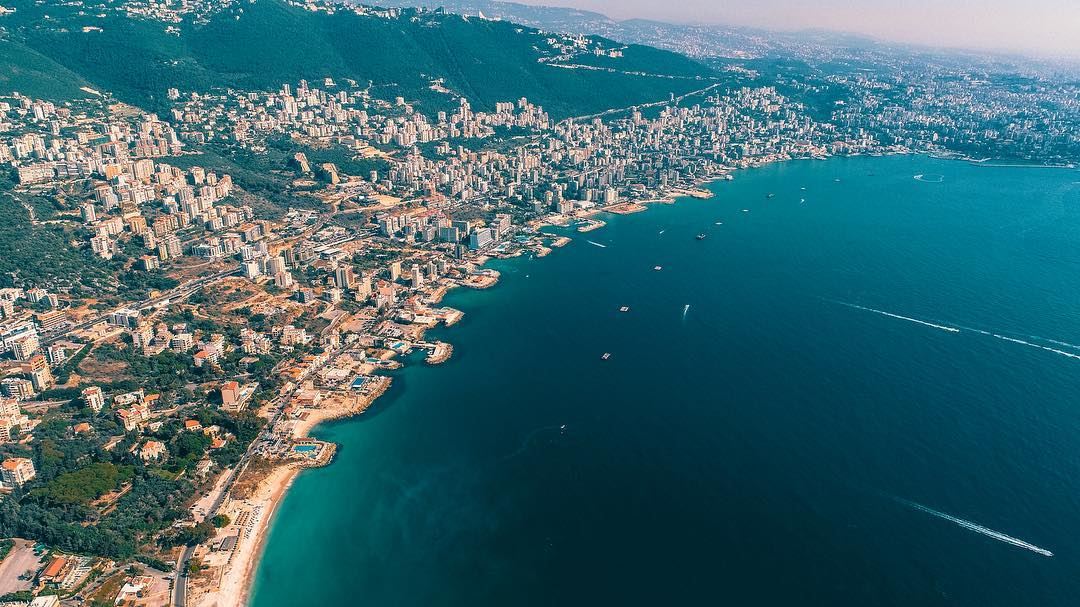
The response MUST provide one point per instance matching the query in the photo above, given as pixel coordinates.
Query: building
(56, 354)
(17, 471)
(89, 213)
(40, 375)
(17, 387)
(207, 356)
(134, 417)
(124, 317)
(230, 394)
(343, 277)
(51, 320)
(25, 347)
(481, 239)
(58, 569)
(94, 398)
(152, 451)
(182, 342)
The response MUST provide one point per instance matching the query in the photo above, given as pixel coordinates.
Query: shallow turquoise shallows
(864, 392)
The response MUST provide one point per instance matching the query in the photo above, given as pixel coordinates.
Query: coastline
(241, 578)
(236, 578)
(327, 548)
(235, 584)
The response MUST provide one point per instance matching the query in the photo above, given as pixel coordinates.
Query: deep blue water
(756, 450)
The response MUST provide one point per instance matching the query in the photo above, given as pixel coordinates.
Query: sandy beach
(234, 584)
(227, 580)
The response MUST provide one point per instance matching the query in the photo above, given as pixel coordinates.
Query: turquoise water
(840, 383)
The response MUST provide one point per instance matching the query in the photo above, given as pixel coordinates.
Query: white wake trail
(970, 526)
(596, 244)
(1031, 345)
(1022, 342)
(898, 316)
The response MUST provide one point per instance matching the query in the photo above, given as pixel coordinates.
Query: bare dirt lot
(20, 560)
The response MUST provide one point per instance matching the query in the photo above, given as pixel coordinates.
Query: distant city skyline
(1043, 27)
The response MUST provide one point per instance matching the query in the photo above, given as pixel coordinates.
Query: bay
(859, 344)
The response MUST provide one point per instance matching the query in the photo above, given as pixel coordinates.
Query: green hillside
(25, 70)
(266, 43)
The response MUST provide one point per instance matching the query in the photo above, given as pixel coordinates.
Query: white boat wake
(1029, 344)
(898, 316)
(957, 329)
(685, 310)
(970, 526)
(596, 244)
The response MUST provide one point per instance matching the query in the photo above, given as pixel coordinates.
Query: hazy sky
(1041, 26)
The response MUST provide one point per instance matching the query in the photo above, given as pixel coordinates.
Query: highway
(179, 292)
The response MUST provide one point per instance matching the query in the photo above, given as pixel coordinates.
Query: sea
(862, 387)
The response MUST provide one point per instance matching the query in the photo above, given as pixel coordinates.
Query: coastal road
(179, 597)
(277, 406)
(612, 111)
(179, 593)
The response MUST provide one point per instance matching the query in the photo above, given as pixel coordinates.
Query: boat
(606, 356)
(770, 195)
(624, 309)
(658, 268)
(701, 236)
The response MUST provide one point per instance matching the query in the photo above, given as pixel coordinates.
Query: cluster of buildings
(127, 190)
(26, 317)
(346, 116)
(965, 111)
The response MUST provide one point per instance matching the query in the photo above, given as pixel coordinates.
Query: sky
(1044, 27)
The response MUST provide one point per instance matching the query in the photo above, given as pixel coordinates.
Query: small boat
(624, 309)
(658, 268)
(701, 236)
(606, 356)
(770, 195)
